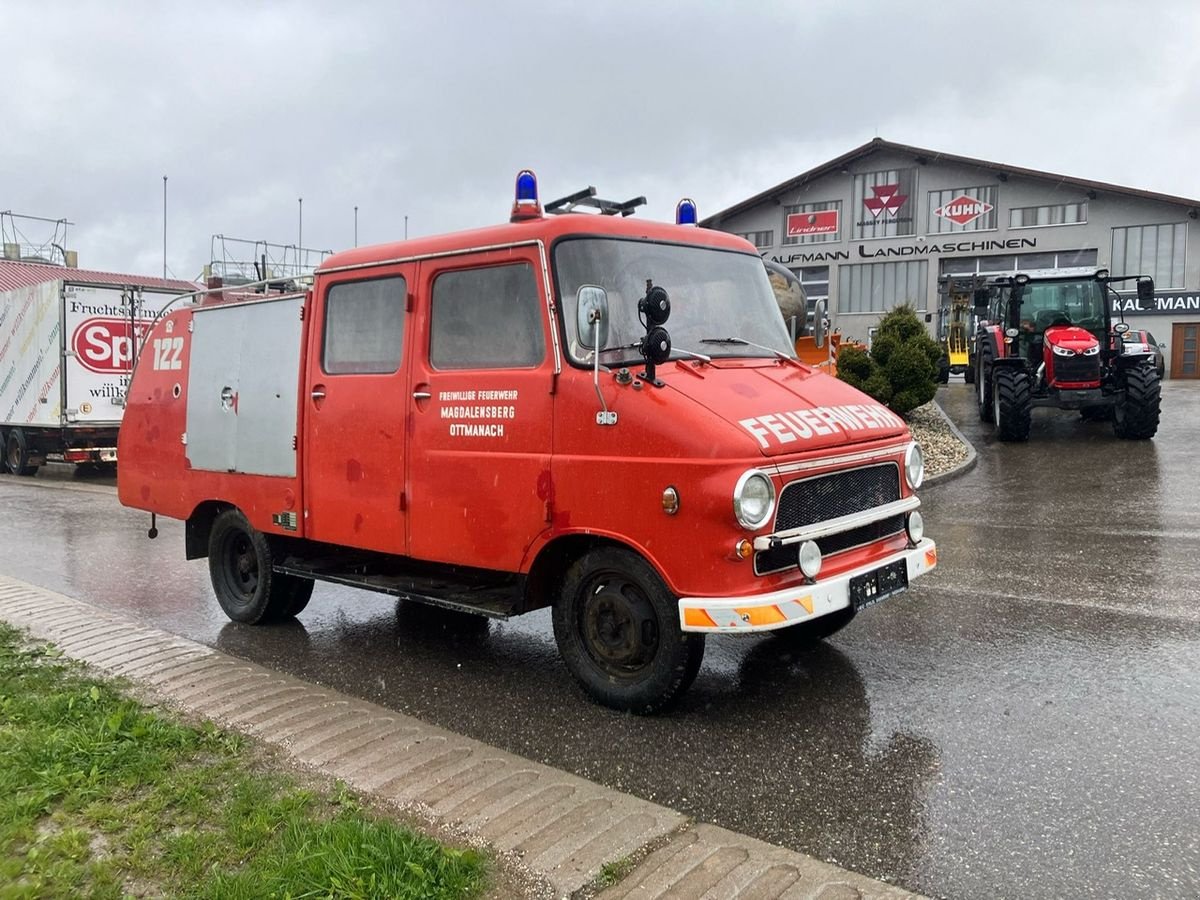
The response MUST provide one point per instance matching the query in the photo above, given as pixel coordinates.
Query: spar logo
(963, 210)
(887, 198)
(105, 346)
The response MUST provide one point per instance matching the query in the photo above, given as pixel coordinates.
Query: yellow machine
(956, 321)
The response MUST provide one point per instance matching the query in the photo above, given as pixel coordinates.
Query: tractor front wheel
(1136, 414)
(983, 391)
(1012, 402)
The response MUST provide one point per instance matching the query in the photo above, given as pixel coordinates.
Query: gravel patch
(943, 449)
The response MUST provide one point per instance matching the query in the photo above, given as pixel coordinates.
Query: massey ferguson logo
(104, 345)
(963, 210)
(887, 198)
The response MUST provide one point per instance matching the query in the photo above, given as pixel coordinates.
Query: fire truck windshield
(713, 292)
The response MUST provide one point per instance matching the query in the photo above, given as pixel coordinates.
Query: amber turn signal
(670, 501)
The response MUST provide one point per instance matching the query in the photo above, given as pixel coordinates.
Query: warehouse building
(877, 226)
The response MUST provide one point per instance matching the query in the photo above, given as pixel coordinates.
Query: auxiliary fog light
(915, 526)
(810, 559)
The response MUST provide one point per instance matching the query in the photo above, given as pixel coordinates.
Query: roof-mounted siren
(685, 212)
(525, 202)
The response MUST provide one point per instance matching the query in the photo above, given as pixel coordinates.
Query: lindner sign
(822, 221)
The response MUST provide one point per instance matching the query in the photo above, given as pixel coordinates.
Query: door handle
(318, 394)
(422, 395)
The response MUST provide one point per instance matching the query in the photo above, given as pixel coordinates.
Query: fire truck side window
(486, 318)
(364, 327)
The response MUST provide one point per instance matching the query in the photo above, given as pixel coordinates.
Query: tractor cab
(1062, 327)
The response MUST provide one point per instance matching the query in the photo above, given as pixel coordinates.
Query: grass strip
(101, 797)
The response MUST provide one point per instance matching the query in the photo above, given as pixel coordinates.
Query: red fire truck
(583, 411)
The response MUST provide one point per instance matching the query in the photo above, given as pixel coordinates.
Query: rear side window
(486, 319)
(364, 327)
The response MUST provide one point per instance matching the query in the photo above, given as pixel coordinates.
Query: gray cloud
(428, 110)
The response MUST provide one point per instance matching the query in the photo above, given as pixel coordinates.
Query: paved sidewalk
(560, 827)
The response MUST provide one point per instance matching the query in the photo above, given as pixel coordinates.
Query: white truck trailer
(68, 339)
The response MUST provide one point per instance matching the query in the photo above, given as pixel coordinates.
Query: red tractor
(1048, 339)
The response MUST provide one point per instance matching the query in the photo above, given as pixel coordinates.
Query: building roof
(15, 274)
(922, 155)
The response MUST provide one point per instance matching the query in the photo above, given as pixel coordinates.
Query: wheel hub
(620, 629)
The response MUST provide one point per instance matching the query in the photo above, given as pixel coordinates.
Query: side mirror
(1145, 290)
(591, 317)
(819, 323)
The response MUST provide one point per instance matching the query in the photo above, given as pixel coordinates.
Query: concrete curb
(966, 465)
(561, 827)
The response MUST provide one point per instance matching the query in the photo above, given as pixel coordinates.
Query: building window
(962, 209)
(1009, 263)
(1154, 250)
(812, 223)
(763, 240)
(815, 281)
(883, 204)
(877, 287)
(364, 327)
(1041, 216)
(486, 319)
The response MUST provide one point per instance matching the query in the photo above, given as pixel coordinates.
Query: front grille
(780, 558)
(1077, 368)
(838, 494)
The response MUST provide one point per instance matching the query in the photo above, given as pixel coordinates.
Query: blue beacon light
(685, 212)
(525, 203)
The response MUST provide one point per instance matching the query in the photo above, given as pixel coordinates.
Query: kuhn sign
(963, 210)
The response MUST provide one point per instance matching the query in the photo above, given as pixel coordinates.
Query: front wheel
(1012, 403)
(1137, 411)
(983, 392)
(617, 628)
(239, 565)
(969, 375)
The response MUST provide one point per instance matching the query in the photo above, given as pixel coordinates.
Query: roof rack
(587, 197)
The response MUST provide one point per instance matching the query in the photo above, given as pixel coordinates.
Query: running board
(495, 595)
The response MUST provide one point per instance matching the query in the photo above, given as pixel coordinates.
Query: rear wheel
(969, 375)
(984, 390)
(1012, 399)
(239, 564)
(617, 628)
(1136, 414)
(16, 454)
(943, 373)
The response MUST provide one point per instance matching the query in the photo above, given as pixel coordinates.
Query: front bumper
(779, 609)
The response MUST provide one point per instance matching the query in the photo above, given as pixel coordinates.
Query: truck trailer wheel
(617, 628)
(17, 455)
(1136, 413)
(239, 564)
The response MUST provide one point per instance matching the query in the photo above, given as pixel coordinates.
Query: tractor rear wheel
(984, 389)
(1012, 403)
(1136, 414)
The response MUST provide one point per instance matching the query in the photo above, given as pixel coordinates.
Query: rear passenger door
(356, 401)
(480, 444)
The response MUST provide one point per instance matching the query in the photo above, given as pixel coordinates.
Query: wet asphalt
(1025, 722)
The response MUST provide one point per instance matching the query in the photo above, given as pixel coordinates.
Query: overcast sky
(427, 110)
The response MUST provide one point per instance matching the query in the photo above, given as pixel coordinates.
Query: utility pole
(356, 226)
(406, 228)
(164, 226)
(300, 235)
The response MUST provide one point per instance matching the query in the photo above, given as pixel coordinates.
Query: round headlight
(810, 559)
(914, 465)
(753, 499)
(1011, 332)
(915, 526)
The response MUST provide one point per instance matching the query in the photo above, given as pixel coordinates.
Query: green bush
(901, 368)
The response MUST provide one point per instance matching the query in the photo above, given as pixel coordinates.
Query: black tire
(969, 375)
(617, 628)
(984, 390)
(16, 454)
(808, 633)
(1012, 404)
(943, 376)
(1137, 411)
(239, 565)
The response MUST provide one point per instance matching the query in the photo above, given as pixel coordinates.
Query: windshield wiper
(779, 354)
